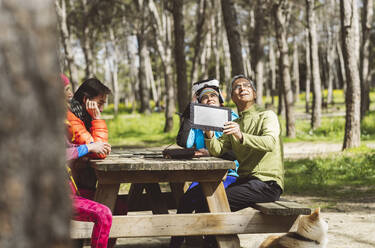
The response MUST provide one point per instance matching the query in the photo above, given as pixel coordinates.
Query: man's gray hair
(244, 77)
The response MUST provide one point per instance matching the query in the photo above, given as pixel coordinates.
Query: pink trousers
(121, 208)
(87, 210)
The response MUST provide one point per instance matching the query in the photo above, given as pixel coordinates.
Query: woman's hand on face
(92, 109)
(232, 128)
(99, 147)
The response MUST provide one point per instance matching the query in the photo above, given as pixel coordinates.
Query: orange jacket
(78, 134)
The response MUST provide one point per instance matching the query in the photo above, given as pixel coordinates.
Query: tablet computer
(208, 117)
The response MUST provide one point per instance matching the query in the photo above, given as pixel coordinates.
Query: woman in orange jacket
(85, 126)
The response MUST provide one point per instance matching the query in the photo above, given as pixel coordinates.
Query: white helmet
(208, 83)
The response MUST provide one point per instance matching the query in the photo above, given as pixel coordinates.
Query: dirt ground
(351, 223)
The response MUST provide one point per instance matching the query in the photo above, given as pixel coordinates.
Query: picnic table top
(152, 160)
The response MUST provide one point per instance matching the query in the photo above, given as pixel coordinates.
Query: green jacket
(261, 152)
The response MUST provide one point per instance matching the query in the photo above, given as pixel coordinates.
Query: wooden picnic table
(145, 169)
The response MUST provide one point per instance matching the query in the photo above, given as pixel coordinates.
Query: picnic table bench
(147, 168)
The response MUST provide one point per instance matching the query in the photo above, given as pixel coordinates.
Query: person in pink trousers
(88, 210)
(85, 209)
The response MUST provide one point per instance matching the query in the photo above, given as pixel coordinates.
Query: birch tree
(350, 44)
(163, 33)
(315, 72)
(367, 16)
(142, 53)
(281, 13)
(67, 40)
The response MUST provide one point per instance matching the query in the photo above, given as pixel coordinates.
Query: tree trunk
(179, 52)
(150, 78)
(134, 89)
(315, 73)
(85, 39)
(67, 42)
(170, 103)
(143, 89)
(308, 74)
(272, 72)
(331, 50)
(257, 53)
(295, 71)
(281, 21)
(233, 36)
(201, 14)
(341, 66)
(114, 71)
(227, 65)
(350, 34)
(163, 41)
(367, 14)
(259, 79)
(35, 205)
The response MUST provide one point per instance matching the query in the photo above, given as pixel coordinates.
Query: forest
(150, 52)
(312, 62)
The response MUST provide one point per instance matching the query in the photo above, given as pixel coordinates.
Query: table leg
(218, 202)
(107, 194)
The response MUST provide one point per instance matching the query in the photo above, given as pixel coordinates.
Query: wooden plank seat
(272, 217)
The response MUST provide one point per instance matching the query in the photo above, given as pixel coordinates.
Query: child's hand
(99, 147)
(92, 109)
(202, 153)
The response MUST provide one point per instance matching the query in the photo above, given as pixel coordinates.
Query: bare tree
(281, 13)
(315, 73)
(350, 34)
(142, 52)
(341, 66)
(233, 36)
(367, 14)
(112, 48)
(88, 34)
(272, 71)
(201, 17)
(295, 71)
(66, 39)
(308, 73)
(34, 200)
(179, 52)
(163, 33)
(257, 53)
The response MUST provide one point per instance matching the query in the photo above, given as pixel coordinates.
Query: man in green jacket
(255, 140)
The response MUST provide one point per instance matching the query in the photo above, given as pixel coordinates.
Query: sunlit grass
(350, 175)
(138, 130)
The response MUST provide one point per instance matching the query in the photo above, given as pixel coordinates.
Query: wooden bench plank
(283, 208)
(190, 225)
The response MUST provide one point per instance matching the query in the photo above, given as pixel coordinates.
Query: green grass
(351, 175)
(138, 130)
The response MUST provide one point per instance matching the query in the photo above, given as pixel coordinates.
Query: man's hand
(233, 128)
(99, 147)
(92, 109)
